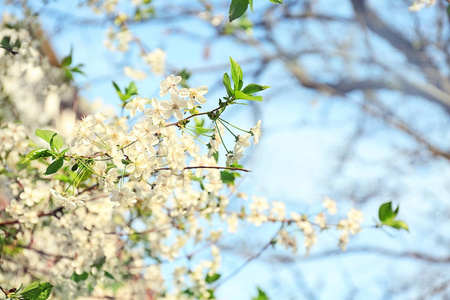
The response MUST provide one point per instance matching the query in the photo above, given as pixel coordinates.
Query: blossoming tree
(131, 206)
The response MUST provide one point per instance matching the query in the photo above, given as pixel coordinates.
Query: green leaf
(51, 137)
(131, 89)
(387, 217)
(237, 75)
(237, 9)
(241, 95)
(227, 84)
(38, 153)
(116, 87)
(77, 69)
(107, 274)
(261, 295)
(46, 135)
(254, 88)
(229, 177)
(213, 278)
(251, 4)
(211, 294)
(397, 224)
(62, 177)
(185, 75)
(68, 74)
(277, 1)
(5, 42)
(216, 156)
(199, 122)
(54, 166)
(77, 278)
(386, 213)
(36, 291)
(66, 61)
(119, 92)
(245, 24)
(236, 165)
(199, 129)
(56, 141)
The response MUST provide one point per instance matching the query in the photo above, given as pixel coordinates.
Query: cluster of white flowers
(118, 39)
(420, 4)
(351, 225)
(156, 60)
(128, 196)
(30, 82)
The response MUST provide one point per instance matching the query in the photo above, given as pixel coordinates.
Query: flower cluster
(107, 210)
(420, 4)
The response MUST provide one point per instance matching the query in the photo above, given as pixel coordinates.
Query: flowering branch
(54, 213)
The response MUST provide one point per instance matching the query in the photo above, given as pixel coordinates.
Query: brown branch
(416, 56)
(40, 215)
(196, 115)
(369, 250)
(389, 117)
(10, 50)
(4, 291)
(140, 232)
(250, 259)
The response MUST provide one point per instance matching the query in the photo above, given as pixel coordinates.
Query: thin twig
(250, 259)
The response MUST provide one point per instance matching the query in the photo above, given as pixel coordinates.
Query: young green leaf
(397, 224)
(77, 69)
(227, 84)
(251, 4)
(116, 87)
(228, 177)
(387, 217)
(386, 213)
(46, 135)
(237, 75)
(66, 61)
(38, 153)
(77, 278)
(51, 137)
(54, 166)
(277, 1)
(56, 141)
(254, 88)
(185, 75)
(261, 295)
(213, 278)
(237, 9)
(131, 89)
(118, 91)
(241, 95)
(107, 274)
(36, 291)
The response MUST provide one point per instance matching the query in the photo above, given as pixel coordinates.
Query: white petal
(201, 99)
(167, 113)
(184, 92)
(202, 90)
(181, 103)
(190, 103)
(178, 114)
(166, 105)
